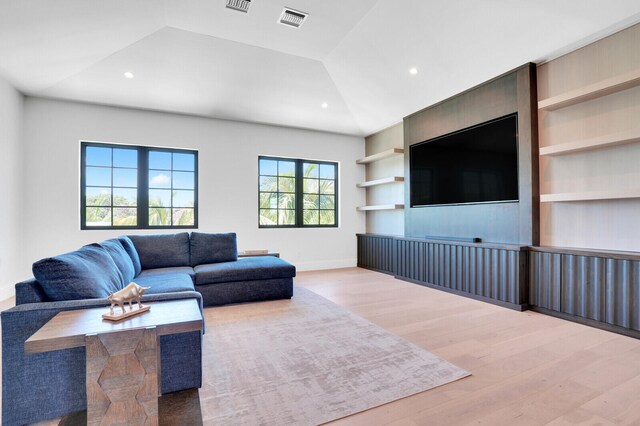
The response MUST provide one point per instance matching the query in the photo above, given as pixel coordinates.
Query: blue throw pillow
(213, 248)
(133, 254)
(87, 273)
(121, 258)
(162, 250)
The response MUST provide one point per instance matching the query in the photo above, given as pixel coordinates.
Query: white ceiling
(197, 57)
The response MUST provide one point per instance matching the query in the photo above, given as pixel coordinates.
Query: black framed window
(297, 193)
(137, 187)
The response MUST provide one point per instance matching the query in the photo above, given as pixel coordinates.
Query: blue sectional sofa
(201, 266)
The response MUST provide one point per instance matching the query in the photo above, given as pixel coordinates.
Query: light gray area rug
(307, 361)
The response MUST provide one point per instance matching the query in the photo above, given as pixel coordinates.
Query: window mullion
(143, 187)
(112, 172)
(83, 186)
(299, 195)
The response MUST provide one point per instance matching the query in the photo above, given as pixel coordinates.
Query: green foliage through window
(297, 193)
(138, 187)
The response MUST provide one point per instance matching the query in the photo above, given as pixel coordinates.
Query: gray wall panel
(509, 222)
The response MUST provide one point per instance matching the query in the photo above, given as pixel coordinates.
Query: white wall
(228, 177)
(11, 170)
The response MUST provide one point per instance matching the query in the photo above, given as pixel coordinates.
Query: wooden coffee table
(123, 358)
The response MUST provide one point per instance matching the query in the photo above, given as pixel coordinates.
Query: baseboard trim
(326, 264)
(6, 292)
(514, 306)
(375, 270)
(588, 322)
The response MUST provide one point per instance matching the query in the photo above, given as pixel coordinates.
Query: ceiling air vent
(292, 18)
(240, 5)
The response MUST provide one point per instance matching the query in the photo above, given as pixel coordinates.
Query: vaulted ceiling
(198, 57)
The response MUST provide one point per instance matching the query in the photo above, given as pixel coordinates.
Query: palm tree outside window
(137, 187)
(297, 193)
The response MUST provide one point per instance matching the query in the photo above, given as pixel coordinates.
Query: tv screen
(475, 165)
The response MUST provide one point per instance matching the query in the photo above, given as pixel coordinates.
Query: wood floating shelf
(606, 141)
(379, 156)
(381, 207)
(590, 196)
(382, 181)
(592, 91)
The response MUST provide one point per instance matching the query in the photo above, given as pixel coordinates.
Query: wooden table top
(68, 329)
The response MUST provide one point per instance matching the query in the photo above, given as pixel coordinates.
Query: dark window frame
(299, 192)
(142, 205)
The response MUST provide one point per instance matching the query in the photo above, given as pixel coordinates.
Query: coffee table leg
(122, 377)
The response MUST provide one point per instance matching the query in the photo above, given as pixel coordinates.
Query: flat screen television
(474, 165)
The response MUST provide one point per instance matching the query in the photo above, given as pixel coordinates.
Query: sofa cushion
(131, 251)
(162, 251)
(188, 270)
(168, 282)
(245, 269)
(87, 273)
(213, 248)
(120, 257)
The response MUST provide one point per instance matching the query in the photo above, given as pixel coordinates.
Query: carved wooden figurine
(128, 294)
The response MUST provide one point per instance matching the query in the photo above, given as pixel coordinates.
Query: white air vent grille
(292, 18)
(241, 5)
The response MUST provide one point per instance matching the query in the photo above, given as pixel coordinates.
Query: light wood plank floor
(528, 368)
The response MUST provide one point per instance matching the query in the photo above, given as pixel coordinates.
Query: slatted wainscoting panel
(597, 288)
(493, 273)
(583, 286)
(622, 287)
(545, 272)
(375, 252)
(410, 259)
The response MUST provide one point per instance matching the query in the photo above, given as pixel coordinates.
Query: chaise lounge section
(200, 266)
(211, 261)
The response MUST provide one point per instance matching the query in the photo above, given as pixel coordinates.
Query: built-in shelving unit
(592, 91)
(383, 181)
(599, 142)
(381, 207)
(380, 156)
(590, 196)
(602, 88)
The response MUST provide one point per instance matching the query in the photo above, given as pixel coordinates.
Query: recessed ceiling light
(324, 105)
(413, 71)
(128, 74)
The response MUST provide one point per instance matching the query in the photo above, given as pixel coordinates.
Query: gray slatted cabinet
(598, 288)
(545, 272)
(375, 252)
(490, 272)
(493, 273)
(595, 287)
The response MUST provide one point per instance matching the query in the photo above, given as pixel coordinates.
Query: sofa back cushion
(163, 250)
(213, 248)
(120, 258)
(133, 254)
(87, 273)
